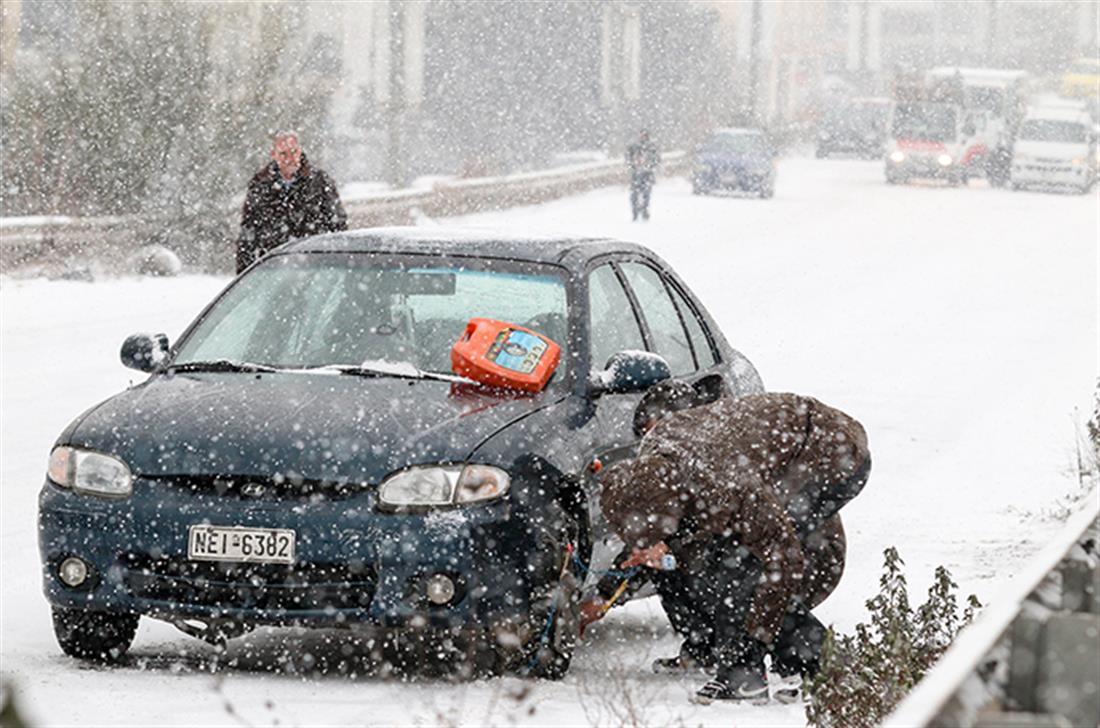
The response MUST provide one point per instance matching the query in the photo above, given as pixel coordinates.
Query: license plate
(233, 543)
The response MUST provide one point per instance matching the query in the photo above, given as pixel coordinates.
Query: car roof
(475, 242)
(736, 130)
(1055, 113)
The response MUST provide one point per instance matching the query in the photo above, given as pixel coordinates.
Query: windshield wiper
(399, 369)
(221, 365)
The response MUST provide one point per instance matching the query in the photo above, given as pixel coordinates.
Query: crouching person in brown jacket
(744, 494)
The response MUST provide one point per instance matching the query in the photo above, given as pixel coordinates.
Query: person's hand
(592, 610)
(650, 557)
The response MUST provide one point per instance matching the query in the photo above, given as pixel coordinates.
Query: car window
(613, 326)
(314, 310)
(669, 338)
(704, 355)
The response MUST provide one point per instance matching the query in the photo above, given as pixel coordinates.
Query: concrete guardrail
(1032, 659)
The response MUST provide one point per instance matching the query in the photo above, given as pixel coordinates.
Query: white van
(1055, 146)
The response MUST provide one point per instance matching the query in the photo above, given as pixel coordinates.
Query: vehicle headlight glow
(897, 156)
(944, 160)
(1079, 162)
(443, 485)
(90, 472)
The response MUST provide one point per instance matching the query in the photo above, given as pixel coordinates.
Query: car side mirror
(630, 371)
(144, 352)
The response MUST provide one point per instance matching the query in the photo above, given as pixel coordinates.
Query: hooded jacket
(275, 212)
(727, 470)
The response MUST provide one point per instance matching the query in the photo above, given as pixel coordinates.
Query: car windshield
(924, 122)
(735, 144)
(312, 310)
(1048, 130)
(857, 117)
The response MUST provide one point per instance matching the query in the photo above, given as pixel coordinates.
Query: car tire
(821, 152)
(94, 636)
(767, 192)
(697, 189)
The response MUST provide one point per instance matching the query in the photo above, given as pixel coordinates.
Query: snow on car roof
(737, 130)
(534, 246)
(1058, 113)
(978, 75)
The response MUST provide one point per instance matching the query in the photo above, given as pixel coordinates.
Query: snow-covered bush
(863, 676)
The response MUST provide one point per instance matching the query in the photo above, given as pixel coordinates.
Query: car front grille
(253, 489)
(232, 586)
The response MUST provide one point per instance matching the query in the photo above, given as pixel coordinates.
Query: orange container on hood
(501, 354)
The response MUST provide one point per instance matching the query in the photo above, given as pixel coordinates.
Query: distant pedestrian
(642, 158)
(286, 199)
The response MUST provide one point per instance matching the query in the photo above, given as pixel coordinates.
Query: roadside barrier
(53, 243)
(1032, 659)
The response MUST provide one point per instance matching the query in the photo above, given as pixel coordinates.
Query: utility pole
(399, 80)
(991, 33)
(754, 62)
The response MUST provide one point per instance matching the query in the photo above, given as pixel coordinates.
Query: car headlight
(1079, 162)
(443, 485)
(85, 471)
(944, 160)
(897, 156)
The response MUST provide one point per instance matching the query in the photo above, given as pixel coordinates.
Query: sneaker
(680, 663)
(787, 689)
(746, 686)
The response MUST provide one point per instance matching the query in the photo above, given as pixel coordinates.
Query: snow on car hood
(1050, 150)
(323, 427)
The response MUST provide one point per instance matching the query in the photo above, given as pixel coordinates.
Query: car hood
(327, 427)
(1050, 150)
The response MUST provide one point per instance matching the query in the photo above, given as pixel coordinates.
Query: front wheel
(96, 636)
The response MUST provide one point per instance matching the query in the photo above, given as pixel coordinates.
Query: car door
(614, 326)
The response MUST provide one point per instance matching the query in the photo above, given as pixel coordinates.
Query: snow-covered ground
(960, 325)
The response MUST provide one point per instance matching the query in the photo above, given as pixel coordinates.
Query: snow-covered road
(960, 325)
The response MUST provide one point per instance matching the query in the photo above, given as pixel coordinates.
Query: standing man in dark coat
(743, 493)
(286, 199)
(642, 158)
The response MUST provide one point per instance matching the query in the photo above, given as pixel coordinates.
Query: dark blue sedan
(734, 159)
(303, 455)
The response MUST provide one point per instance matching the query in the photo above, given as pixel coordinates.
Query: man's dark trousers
(707, 603)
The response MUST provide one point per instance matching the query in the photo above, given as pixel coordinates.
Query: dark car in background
(303, 455)
(735, 159)
(858, 126)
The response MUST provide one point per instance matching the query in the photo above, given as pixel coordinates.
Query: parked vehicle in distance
(854, 126)
(304, 455)
(735, 159)
(1056, 147)
(1082, 80)
(926, 143)
(956, 124)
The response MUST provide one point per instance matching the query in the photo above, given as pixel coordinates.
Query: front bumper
(736, 178)
(353, 563)
(1046, 173)
(922, 166)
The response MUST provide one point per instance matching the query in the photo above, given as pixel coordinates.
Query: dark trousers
(641, 185)
(707, 604)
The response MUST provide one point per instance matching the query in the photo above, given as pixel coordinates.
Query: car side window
(669, 338)
(704, 355)
(612, 324)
